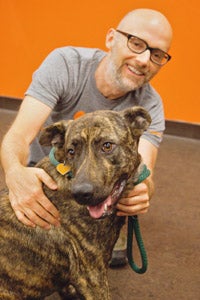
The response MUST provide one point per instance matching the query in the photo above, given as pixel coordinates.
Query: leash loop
(134, 229)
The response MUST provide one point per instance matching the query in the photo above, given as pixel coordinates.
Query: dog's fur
(101, 149)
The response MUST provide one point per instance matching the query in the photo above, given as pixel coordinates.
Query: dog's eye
(107, 147)
(70, 153)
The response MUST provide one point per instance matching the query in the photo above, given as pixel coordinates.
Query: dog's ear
(54, 135)
(138, 118)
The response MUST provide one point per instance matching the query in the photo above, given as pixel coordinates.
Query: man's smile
(134, 71)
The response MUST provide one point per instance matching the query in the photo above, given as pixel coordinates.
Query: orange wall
(30, 29)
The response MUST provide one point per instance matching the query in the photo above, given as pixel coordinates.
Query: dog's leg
(88, 294)
(69, 293)
(6, 295)
(94, 285)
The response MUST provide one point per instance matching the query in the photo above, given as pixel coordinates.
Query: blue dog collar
(60, 167)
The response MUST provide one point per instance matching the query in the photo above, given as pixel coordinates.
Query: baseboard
(10, 103)
(184, 129)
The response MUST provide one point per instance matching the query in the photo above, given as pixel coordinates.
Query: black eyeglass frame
(129, 36)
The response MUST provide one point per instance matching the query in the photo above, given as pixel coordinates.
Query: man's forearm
(14, 151)
(150, 185)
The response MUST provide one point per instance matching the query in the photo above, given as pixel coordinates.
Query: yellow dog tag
(63, 169)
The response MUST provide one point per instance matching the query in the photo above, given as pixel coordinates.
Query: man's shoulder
(73, 52)
(147, 91)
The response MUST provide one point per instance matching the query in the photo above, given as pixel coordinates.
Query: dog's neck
(60, 167)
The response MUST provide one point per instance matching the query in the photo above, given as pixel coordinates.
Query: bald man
(74, 79)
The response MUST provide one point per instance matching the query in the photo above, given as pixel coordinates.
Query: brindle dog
(99, 152)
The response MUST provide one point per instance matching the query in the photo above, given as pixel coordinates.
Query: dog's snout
(83, 193)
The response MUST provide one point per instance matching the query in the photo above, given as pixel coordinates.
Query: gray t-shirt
(65, 81)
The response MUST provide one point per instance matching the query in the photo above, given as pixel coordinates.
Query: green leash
(134, 229)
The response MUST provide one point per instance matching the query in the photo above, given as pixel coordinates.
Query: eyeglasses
(139, 46)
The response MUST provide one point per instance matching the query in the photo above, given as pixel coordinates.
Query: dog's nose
(83, 192)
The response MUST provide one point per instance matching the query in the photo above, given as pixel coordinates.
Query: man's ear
(54, 135)
(138, 119)
(110, 38)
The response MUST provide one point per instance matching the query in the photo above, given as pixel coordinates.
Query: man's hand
(27, 199)
(136, 202)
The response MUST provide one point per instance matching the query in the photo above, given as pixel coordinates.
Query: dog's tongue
(97, 211)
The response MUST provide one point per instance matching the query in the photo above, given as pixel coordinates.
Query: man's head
(151, 33)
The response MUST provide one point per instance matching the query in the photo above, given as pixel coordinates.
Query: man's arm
(138, 200)
(25, 184)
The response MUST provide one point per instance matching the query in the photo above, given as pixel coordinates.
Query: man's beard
(116, 78)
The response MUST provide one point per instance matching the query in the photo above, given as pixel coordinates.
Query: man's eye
(107, 147)
(137, 44)
(158, 54)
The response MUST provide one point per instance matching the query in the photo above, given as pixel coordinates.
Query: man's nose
(144, 57)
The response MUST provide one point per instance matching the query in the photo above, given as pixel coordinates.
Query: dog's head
(101, 149)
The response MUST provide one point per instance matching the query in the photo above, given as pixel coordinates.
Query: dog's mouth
(106, 207)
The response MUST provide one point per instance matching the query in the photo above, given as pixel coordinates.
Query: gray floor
(171, 229)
